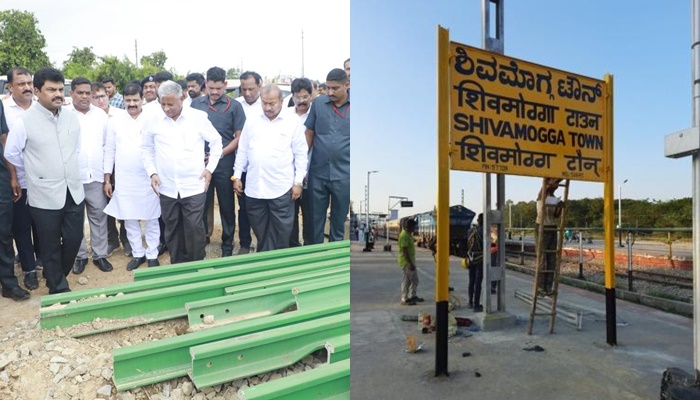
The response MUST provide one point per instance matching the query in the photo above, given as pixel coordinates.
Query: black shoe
(153, 263)
(127, 250)
(408, 302)
(417, 299)
(478, 308)
(30, 281)
(226, 253)
(135, 262)
(15, 293)
(111, 248)
(103, 264)
(244, 250)
(162, 248)
(79, 265)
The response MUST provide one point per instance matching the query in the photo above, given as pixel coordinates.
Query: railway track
(661, 278)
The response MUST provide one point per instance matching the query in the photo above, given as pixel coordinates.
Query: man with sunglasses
(228, 118)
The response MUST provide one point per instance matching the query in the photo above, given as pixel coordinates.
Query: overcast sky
(198, 35)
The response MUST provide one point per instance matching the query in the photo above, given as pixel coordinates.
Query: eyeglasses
(302, 98)
(101, 97)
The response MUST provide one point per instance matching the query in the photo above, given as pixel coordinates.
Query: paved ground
(575, 364)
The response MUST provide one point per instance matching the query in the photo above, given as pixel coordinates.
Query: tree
(123, 71)
(81, 62)
(21, 42)
(156, 59)
(233, 73)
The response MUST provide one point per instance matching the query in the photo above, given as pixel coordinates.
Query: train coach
(460, 220)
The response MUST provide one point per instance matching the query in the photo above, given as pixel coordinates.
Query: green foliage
(233, 73)
(81, 62)
(21, 42)
(156, 60)
(84, 62)
(582, 213)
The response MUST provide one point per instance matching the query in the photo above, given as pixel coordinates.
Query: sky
(196, 36)
(646, 49)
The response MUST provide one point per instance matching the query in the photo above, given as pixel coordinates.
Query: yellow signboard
(514, 117)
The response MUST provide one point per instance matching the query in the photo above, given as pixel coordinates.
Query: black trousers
(114, 235)
(244, 236)
(184, 231)
(61, 234)
(272, 221)
(302, 204)
(22, 232)
(221, 180)
(7, 253)
(476, 275)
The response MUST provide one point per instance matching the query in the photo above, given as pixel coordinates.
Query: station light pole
(619, 211)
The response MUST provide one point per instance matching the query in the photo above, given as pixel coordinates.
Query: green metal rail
(284, 281)
(185, 268)
(268, 301)
(160, 304)
(169, 358)
(202, 276)
(323, 383)
(230, 359)
(338, 349)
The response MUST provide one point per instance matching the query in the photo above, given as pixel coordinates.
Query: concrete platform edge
(672, 306)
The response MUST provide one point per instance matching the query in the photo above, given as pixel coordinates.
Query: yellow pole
(609, 211)
(443, 202)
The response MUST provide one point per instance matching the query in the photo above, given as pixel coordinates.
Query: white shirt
(251, 110)
(116, 112)
(133, 197)
(93, 132)
(174, 149)
(273, 153)
(12, 114)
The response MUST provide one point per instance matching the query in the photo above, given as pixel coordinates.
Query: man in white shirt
(32, 144)
(273, 151)
(172, 148)
(93, 128)
(251, 82)
(132, 200)
(19, 82)
(101, 100)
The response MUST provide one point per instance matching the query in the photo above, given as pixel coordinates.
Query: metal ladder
(540, 272)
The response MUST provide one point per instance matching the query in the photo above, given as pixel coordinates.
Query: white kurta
(133, 197)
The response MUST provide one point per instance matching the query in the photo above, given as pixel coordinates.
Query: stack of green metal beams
(248, 315)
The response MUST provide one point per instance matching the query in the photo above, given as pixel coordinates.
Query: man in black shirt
(228, 118)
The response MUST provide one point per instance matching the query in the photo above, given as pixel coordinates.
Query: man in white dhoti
(133, 200)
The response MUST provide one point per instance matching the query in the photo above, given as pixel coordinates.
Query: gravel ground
(594, 272)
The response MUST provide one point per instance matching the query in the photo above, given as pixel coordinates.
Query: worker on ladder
(549, 208)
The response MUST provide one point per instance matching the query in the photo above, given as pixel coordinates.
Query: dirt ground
(50, 365)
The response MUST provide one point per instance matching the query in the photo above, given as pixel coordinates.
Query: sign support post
(443, 203)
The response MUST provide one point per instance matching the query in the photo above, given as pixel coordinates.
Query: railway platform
(504, 364)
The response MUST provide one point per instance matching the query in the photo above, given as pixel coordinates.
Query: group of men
(152, 158)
